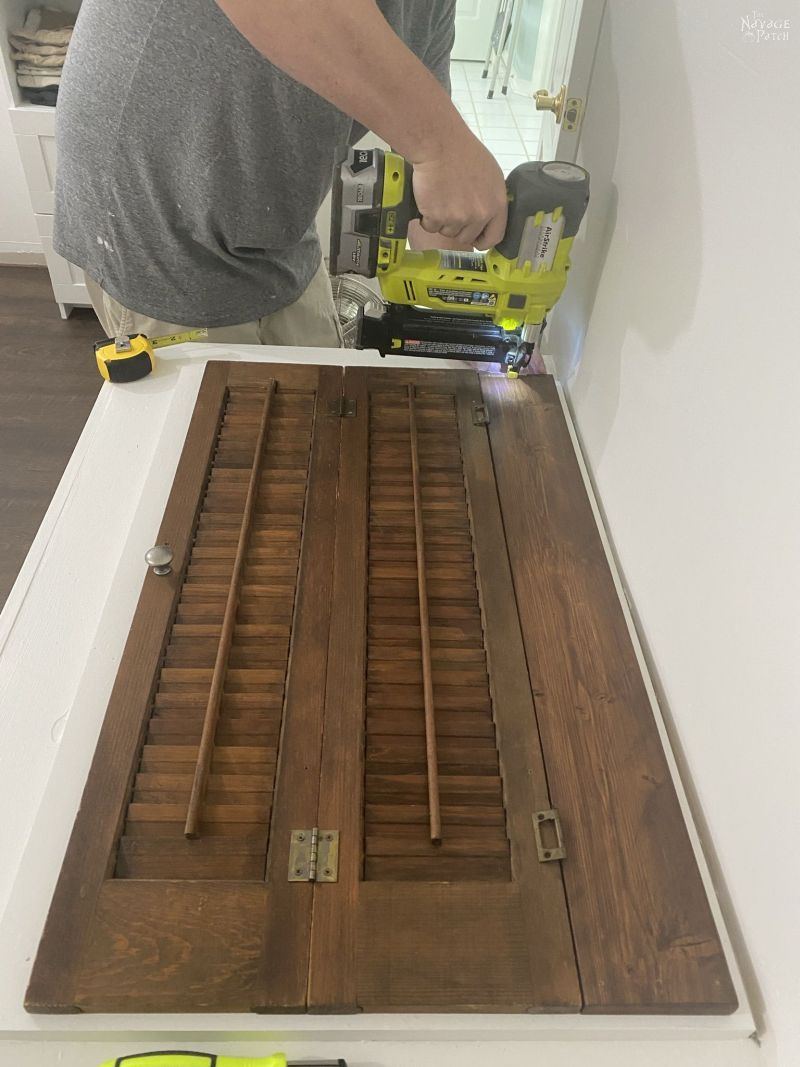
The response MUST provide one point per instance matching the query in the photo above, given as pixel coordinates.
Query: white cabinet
(34, 130)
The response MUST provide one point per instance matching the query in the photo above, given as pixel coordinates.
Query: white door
(565, 50)
(474, 24)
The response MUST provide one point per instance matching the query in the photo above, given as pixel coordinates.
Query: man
(196, 141)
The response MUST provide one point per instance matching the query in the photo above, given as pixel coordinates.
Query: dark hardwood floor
(48, 384)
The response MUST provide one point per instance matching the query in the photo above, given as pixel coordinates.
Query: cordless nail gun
(484, 307)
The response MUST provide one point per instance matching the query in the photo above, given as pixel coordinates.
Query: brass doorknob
(160, 558)
(546, 102)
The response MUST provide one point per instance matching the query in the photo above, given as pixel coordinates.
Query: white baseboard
(21, 255)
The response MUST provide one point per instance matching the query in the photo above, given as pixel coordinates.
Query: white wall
(685, 398)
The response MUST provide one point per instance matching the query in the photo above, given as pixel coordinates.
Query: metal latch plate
(548, 853)
(573, 112)
(480, 414)
(314, 855)
(342, 408)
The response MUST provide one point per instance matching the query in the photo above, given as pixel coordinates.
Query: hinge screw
(301, 837)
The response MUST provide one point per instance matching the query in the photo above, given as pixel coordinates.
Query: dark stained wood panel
(460, 681)
(237, 802)
(129, 925)
(399, 624)
(208, 941)
(644, 934)
(414, 924)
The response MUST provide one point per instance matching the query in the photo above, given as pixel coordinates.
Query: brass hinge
(314, 855)
(548, 853)
(480, 414)
(341, 408)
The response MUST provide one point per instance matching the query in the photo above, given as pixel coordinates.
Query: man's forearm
(345, 51)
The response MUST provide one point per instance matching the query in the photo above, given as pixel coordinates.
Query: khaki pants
(311, 321)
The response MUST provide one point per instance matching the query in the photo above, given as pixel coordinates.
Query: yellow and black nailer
(483, 307)
(209, 1059)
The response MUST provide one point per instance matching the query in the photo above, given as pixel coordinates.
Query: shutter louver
(434, 799)
(231, 838)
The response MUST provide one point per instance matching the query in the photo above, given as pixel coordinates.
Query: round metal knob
(160, 558)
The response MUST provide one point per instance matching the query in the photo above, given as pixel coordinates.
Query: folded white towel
(45, 25)
(36, 60)
(26, 68)
(39, 49)
(38, 81)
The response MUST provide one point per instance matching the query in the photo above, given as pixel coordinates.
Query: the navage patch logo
(756, 28)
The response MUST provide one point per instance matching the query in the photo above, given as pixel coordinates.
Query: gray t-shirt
(190, 169)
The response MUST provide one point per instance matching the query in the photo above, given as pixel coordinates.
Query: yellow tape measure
(127, 359)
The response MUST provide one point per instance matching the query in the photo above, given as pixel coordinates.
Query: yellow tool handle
(194, 1059)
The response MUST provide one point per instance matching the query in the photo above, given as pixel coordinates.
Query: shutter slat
(423, 607)
(224, 668)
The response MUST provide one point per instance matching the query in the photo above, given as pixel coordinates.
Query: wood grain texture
(173, 946)
(334, 679)
(542, 903)
(413, 505)
(332, 977)
(414, 925)
(445, 947)
(644, 934)
(283, 976)
(124, 954)
(52, 987)
(220, 672)
(250, 520)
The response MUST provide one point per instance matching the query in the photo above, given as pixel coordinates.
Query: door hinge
(341, 408)
(480, 414)
(548, 853)
(314, 855)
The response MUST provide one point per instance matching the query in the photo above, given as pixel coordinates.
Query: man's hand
(461, 193)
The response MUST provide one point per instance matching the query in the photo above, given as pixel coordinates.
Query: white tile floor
(509, 126)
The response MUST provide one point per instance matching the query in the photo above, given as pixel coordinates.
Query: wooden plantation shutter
(474, 921)
(390, 616)
(165, 900)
